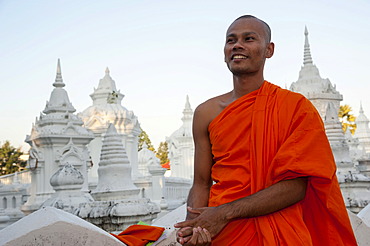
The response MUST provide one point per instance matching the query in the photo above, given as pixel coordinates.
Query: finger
(202, 236)
(187, 223)
(194, 238)
(185, 231)
(200, 240)
(179, 239)
(187, 239)
(183, 240)
(208, 235)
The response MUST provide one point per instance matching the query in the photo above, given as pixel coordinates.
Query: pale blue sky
(160, 51)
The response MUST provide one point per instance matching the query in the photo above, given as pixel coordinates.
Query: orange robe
(139, 235)
(267, 136)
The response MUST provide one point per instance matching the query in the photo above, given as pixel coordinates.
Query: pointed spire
(187, 104)
(107, 74)
(58, 79)
(361, 109)
(187, 112)
(114, 160)
(307, 59)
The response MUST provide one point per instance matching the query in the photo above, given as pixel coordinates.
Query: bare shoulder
(209, 109)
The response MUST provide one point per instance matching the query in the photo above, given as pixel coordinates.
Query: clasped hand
(202, 224)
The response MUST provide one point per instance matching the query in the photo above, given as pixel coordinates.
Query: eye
(230, 40)
(249, 38)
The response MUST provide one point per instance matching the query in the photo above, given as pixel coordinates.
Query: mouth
(237, 57)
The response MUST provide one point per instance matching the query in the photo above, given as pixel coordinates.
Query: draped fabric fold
(265, 137)
(139, 235)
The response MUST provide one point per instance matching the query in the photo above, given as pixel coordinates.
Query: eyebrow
(243, 34)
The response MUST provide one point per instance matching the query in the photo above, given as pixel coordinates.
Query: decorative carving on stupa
(67, 183)
(57, 136)
(106, 109)
(181, 146)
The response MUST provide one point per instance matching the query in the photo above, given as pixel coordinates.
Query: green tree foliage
(10, 161)
(144, 138)
(347, 118)
(162, 152)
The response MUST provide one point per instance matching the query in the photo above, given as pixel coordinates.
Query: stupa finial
(58, 79)
(187, 112)
(361, 109)
(307, 58)
(107, 71)
(187, 104)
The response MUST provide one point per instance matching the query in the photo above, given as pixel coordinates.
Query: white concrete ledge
(51, 226)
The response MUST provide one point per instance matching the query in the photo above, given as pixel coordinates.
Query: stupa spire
(307, 58)
(106, 93)
(114, 170)
(58, 79)
(361, 109)
(188, 112)
(187, 104)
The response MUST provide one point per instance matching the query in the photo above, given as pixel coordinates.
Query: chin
(242, 71)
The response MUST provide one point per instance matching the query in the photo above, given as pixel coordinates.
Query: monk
(264, 173)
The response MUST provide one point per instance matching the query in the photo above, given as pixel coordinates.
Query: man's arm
(274, 198)
(199, 193)
(269, 200)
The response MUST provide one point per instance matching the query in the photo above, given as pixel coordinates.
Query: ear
(270, 50)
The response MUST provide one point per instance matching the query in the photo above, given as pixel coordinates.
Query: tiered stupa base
(116, 216)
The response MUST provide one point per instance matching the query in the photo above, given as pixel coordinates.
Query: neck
(244, 84)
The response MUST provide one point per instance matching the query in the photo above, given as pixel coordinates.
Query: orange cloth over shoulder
(265, 137)
(139, 235)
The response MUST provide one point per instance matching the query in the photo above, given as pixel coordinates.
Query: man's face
(247, 47)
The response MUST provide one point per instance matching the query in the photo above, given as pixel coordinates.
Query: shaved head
(267, 27)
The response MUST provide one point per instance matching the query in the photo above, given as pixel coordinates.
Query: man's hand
(184, 234)
(210, 218)
(199, 237)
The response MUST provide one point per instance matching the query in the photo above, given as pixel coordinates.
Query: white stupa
(57, 137)
(326, 99)
(181, 146)
(107, 109)
(117, 203)
(318, 90)
(324, 96)
(362, 130)
(114, 170)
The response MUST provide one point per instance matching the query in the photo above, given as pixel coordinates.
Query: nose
(238, 46)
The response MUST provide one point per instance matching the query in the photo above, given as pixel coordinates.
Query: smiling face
(247, 46)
